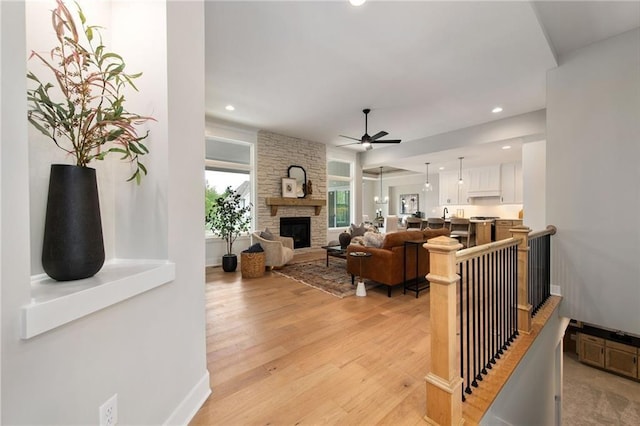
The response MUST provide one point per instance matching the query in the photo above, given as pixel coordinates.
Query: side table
(417, 288)
(361, 290)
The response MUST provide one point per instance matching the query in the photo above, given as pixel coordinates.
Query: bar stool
(435, 223)
(461, 228)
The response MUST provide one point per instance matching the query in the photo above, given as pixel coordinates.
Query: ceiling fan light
(366, 144)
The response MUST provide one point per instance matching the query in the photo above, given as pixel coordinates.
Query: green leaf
(85, 114)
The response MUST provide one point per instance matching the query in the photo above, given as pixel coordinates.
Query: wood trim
(550, 230)
(275, 202)
(475, 251)
(479, 402)
(443, 382)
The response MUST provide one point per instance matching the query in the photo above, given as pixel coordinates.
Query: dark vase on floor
(229, 262)
(73, 247)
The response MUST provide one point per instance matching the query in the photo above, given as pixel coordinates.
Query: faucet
(444, 213)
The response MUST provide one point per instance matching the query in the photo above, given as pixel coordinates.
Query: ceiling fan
(367, 140)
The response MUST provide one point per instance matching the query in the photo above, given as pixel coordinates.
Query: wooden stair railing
(444, 381)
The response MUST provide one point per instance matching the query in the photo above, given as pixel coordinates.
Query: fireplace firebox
(299, 228)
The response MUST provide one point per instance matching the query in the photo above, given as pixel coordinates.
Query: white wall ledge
(55, 303)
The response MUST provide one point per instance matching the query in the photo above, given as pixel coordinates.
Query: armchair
(277, 252)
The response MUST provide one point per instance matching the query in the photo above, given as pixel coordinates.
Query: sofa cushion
(358, 241)
(432, 233)
(267, 235)
(373, 239)
(395, 239)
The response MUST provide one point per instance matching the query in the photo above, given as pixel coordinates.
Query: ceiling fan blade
(349, 137)
(388, 141)
(378, 135)
(347, 144)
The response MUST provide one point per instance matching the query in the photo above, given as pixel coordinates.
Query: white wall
(412, 184)
(534, 184)
(593, 134)
(528, 398)
(1, 137)
(149, 349)
(524, 127)
(13, 160)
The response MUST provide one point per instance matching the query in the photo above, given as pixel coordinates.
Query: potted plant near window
(83, 112)
(229, 218)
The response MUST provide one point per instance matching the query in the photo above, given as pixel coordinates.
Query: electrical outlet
(109, 412)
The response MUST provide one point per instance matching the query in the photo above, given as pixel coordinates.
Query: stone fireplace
(298, 228)
(275, 153)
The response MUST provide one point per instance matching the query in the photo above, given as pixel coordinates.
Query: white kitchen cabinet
(451, 192)
(511, 183)
(448, 188)
(484, 182)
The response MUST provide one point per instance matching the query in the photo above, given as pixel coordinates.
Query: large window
(228, 164)
(339, 179)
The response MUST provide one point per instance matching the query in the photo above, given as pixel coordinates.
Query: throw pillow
(267, 235)
(373, 239)
(357, 230)
(371, 228)
(255, 248)
(357, 241)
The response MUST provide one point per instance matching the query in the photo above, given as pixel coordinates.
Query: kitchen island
(486, 229)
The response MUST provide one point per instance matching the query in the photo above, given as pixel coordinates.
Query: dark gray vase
(73, 247)
(229, 262)
(345, 239)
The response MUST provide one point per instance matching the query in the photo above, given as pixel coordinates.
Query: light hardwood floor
(280, 352)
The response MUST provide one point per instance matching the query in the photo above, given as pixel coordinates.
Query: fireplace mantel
(275, 202)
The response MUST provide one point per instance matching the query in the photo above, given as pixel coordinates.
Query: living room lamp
(379, 200)
(460, 181)
(427, 185)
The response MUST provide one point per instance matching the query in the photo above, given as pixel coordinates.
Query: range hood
(484, 194)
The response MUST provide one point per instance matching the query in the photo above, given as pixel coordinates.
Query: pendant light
(460, 181)
(378, 200)
(427, 185)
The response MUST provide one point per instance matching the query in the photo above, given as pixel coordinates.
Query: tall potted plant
(229, 218)
(82, 111)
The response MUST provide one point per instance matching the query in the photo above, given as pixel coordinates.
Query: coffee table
(335, 251)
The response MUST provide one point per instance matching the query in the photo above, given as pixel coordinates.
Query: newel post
(444, 381)
(521, 233)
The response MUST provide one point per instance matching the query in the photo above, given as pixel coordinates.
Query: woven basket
(252, 264)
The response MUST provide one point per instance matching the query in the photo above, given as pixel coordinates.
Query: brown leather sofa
(386, 264)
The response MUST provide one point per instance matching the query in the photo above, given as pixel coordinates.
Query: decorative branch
(91, 121)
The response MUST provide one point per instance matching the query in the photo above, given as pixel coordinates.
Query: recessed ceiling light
(441, 168)
(357, 2)
(506, 147)
(230, 108)
(496, 110)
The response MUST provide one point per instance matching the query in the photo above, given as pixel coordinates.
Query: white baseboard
(556, 290)
(191, 403)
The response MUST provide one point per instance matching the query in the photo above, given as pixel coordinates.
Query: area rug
(333, 279)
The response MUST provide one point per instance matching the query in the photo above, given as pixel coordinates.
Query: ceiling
(307, 69)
